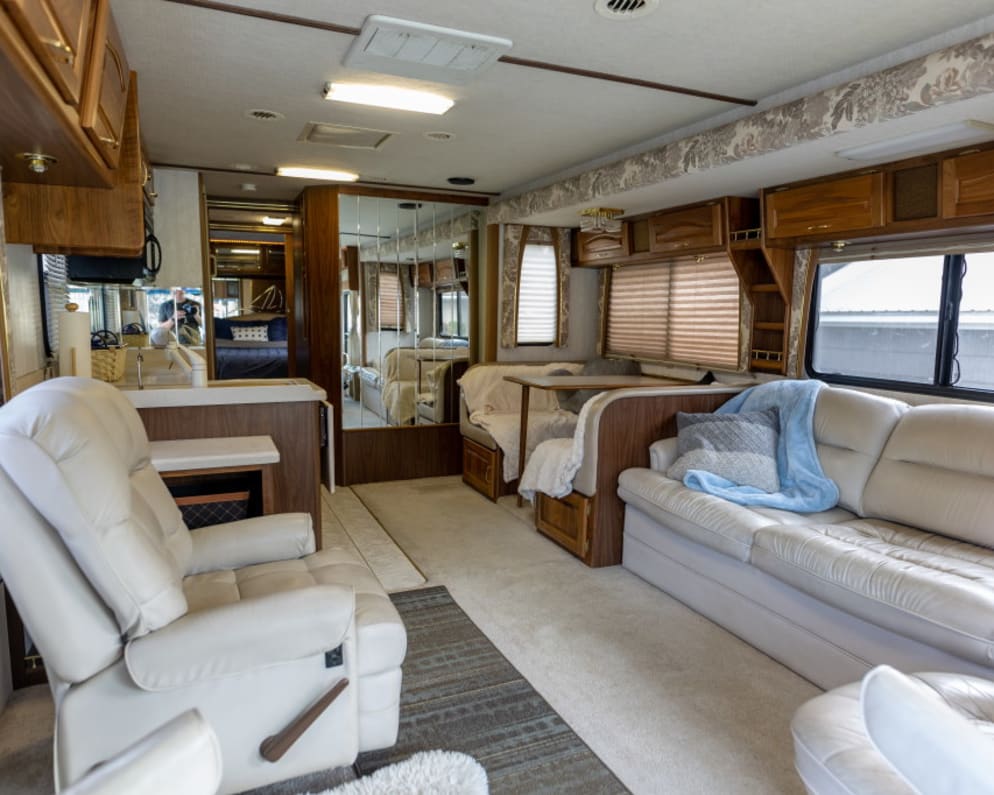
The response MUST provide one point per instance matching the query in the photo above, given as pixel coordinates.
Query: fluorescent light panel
(922, 141)
(270, 221)
(383, 96)
(244, 251)
(316, 173)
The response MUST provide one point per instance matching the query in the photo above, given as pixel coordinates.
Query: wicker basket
(108, 363)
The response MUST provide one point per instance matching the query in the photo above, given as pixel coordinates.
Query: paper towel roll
(74, 343)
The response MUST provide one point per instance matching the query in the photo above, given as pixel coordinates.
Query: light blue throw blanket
(804, 488)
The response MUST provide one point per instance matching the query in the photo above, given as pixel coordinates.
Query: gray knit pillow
(741, 448)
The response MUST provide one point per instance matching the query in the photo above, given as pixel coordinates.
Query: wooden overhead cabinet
(968, 185)
(826, 209)
(600, 247)
(688, 231)
(58, 33)
(105, 92)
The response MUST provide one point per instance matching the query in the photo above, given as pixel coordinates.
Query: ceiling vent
(625, 9)
(425, 52)
(316, 132)
(261, 114)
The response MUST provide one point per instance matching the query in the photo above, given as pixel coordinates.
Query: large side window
(453, 313)
(538, 296)
(685, 312)
(921, 322)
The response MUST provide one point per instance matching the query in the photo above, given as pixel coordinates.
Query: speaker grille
(916, 193)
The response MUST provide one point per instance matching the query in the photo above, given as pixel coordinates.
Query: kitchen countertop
(220, 393)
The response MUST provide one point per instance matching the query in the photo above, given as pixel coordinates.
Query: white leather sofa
(891, 734)
(139, 619)
(900, 572)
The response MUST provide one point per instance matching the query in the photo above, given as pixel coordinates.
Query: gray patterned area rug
(461, 694)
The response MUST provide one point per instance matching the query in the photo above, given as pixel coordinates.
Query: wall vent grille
(625, 9)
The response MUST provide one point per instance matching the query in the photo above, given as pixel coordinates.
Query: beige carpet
(672, 703)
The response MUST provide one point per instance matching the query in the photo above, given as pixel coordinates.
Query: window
(391, 302)
(453, 314)
(538, 296)
(926, 322)
(680, 312)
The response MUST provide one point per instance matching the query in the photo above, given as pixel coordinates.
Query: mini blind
(538, 298)
(680, 312)
(391, 301)
(53, 271)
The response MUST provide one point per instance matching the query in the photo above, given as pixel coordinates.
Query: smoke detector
(426, 52)
(625, 9)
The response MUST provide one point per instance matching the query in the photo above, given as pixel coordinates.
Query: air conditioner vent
(428, 52)
(625, 9)
(262, 114)
(317, 132)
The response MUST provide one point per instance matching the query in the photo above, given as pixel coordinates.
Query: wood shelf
(766, 364)
(764, 288)
(768, 326)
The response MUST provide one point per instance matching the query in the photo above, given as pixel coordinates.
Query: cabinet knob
(68, 56)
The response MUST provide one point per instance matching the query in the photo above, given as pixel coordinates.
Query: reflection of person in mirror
(180, 315)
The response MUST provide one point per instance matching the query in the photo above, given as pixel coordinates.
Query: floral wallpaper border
(950, 75)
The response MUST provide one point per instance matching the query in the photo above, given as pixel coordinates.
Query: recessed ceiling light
(461, 181)
(243, 167)
(391, 97)
(317, 173)
(269, 221)
(439, 135)
(262, 114)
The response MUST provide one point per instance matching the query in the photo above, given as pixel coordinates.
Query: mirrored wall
(405, 309)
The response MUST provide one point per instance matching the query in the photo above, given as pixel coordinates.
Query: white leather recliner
(139, 620)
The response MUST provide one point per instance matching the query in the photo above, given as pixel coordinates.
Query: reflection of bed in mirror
(251, 345)
(416, 385)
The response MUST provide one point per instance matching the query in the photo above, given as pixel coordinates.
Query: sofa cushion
(712, 521)
(937, 473)
(851, 428)
(927, 587)
(741, 448)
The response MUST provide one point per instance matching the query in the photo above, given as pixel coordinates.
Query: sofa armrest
(241, 637)
(663, 454)
(282, 536)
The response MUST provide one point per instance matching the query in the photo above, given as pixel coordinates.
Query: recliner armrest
(241, 637)
(281, 536)
(663, 454)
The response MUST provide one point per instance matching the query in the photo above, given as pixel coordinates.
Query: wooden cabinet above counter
(63, 89)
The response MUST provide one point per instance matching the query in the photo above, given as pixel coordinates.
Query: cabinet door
(58, 32)
(105, 93)
(601, 247)
(826, 208)
(693, 229)
(968, 185)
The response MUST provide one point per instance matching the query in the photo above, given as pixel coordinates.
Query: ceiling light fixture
(270, 221)
(328, 174)
(922, 141)
(601, 219)
(382, 96)
(461, 181)
(244, 251)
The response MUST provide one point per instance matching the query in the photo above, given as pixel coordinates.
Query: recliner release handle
(276, 745)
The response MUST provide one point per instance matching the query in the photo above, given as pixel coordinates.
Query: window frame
(398, 322)
(460, 319)
(951, 287)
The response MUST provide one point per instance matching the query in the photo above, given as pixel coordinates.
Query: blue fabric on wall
(804, 488)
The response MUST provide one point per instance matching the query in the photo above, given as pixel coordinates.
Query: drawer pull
(819, 226)
(68, 56)
(113, 143)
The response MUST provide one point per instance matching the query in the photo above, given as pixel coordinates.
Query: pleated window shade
(54, 267)
(391, 301)
(679, 312)
(538, 299)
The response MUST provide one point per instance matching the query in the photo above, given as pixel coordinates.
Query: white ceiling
(200, 70)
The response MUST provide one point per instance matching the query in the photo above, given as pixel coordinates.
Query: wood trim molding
(491, 295)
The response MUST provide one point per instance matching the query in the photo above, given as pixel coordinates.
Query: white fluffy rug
(425, 773)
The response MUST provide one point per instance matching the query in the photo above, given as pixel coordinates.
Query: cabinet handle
(68, 56)
(113, 143)
(819, 226)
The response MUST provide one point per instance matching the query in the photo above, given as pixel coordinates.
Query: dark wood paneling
(416, 451)
(627, 428)
(293, 427)
(490, 295)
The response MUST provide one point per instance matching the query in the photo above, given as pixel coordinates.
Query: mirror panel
(405, 309)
